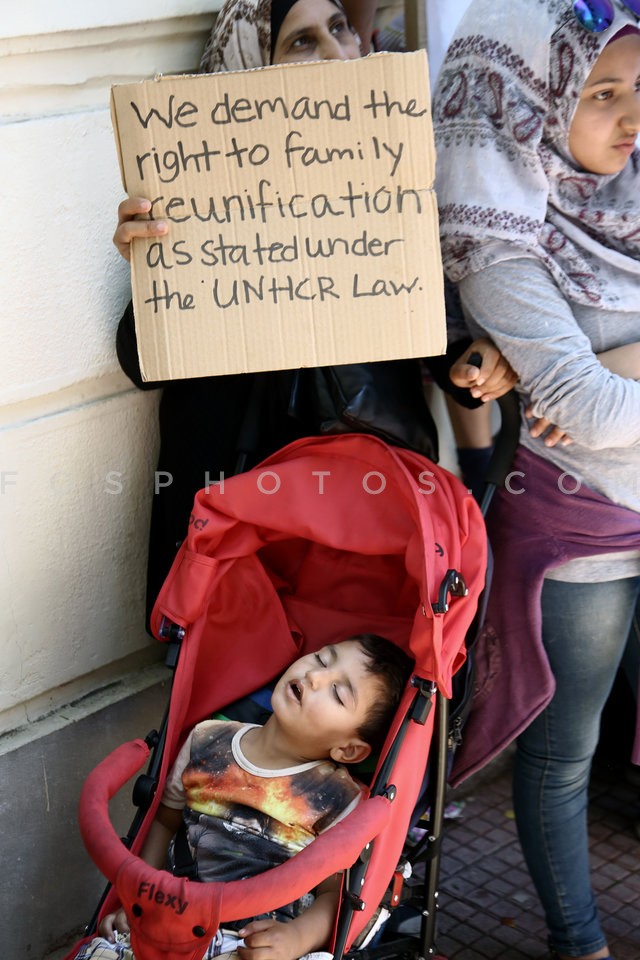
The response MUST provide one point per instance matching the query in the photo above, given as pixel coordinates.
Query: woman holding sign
(212, 427)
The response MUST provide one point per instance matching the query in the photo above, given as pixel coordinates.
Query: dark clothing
(200, 424)
(221, 425)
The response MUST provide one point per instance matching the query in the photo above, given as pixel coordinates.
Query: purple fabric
(529, 534)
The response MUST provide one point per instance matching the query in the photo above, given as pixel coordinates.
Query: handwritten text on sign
(303, 225)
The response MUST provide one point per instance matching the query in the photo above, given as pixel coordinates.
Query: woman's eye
(302, 41)
(337, 695)
(339, 27)
(603, 95)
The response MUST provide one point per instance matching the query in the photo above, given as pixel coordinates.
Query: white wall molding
(81, 698)
(34, 17)
(48, 74)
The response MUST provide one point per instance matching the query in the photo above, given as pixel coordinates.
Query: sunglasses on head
(598, 15)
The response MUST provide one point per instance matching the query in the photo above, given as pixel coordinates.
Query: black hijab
(279, 10)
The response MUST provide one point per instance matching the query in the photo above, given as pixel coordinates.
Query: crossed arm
(623, 361)
(564, 380)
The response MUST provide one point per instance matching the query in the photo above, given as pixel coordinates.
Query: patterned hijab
(507, 185)
(245, 34)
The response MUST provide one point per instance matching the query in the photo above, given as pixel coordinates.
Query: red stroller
(325, 539)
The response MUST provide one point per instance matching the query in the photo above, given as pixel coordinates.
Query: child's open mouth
(296, 689)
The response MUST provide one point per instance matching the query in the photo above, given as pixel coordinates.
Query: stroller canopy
(327, 538)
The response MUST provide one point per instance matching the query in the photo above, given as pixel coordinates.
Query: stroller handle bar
(196, 909)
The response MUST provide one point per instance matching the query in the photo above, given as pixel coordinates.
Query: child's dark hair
(393, 667)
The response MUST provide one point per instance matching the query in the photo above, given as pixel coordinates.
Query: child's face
(322, 700)
(315, 30)
(607, 120)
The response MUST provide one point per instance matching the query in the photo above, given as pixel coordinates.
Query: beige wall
(77, 442)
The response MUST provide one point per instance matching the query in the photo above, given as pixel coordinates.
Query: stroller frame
(425, 705)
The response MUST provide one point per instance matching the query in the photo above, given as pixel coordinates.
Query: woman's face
(607, 120)
(315, 30)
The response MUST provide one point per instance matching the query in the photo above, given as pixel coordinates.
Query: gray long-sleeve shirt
(552, 344)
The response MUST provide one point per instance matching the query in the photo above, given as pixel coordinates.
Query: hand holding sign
(133, 221)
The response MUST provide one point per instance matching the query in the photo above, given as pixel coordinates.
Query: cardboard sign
(303, 222)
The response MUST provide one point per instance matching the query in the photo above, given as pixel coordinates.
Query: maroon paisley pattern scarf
(507, 185)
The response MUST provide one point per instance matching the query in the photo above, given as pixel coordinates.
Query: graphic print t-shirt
(241, 819)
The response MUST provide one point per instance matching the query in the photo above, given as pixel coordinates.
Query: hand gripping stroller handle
(168, 912)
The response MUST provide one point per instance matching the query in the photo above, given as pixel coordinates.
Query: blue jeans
(585, 631)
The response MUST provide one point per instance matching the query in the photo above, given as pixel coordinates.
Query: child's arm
(164, 827)
(153, 852)
(272, 940)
